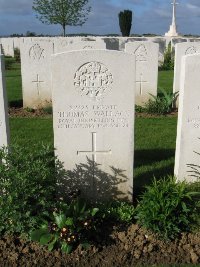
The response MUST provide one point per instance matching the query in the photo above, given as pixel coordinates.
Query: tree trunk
(64, 26)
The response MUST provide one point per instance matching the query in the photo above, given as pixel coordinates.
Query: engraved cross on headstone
(38, 83)
(141, 81)
(94, 152)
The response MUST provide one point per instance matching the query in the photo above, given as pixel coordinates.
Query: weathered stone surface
(146, 54)
(182, 49)
(93, 110)
(8, 46)
(61, 43)
(36, 72)
(188, 130)
(4, 127)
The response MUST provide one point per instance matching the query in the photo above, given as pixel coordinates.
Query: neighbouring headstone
(188, 130)
(181, 50)
(4, 127)
(146, 54)
(93, 111)
(36, 72)
(61, 43)
(16, 41)
(8, 46)
(100, 44)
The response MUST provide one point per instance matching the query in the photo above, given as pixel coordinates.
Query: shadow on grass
(147, 158)
(16, 103)
(13, 75)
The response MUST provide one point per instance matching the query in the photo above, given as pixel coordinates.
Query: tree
(125, 22)
(63, 12)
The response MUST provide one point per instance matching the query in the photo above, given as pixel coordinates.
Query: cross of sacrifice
(94, 152)
(141, 83)
(38, 83)
(174, 3)
(174, 12)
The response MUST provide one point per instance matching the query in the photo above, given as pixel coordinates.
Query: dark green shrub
(167, 208)
(74, 224)
(27, 186)
(125, 22)
(168, 59)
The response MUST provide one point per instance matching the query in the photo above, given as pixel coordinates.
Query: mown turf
(155, 140)
(14, 85)
(165, 80)
(30, 131)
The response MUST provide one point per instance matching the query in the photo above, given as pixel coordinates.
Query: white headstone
(93, 110)
(36, 73)
(4, 127)
(8, 46)
(146, 54)
(181, 50)
(188, 131)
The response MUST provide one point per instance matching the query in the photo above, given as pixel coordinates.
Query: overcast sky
(150, 16)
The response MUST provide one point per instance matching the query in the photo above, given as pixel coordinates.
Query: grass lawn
(155, 140)
(165, 80)
(14, 85)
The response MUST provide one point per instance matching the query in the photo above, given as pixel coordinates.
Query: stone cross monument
(173, 29)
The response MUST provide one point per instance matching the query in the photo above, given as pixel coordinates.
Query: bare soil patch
(147, 115)
(132, 246)
(20, 112)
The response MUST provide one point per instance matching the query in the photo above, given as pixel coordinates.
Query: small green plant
(125, 22)
(31, 110)
(17, 55)
(161, 104)
(167, 208)
(194, 171)
(68, 228)
(48, 109)
(121, 212)
(27, 186)
(139, 109)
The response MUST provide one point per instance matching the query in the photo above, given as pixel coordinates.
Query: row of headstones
(112, 43)
(36, 54)
(36, 68)
(93, 116)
